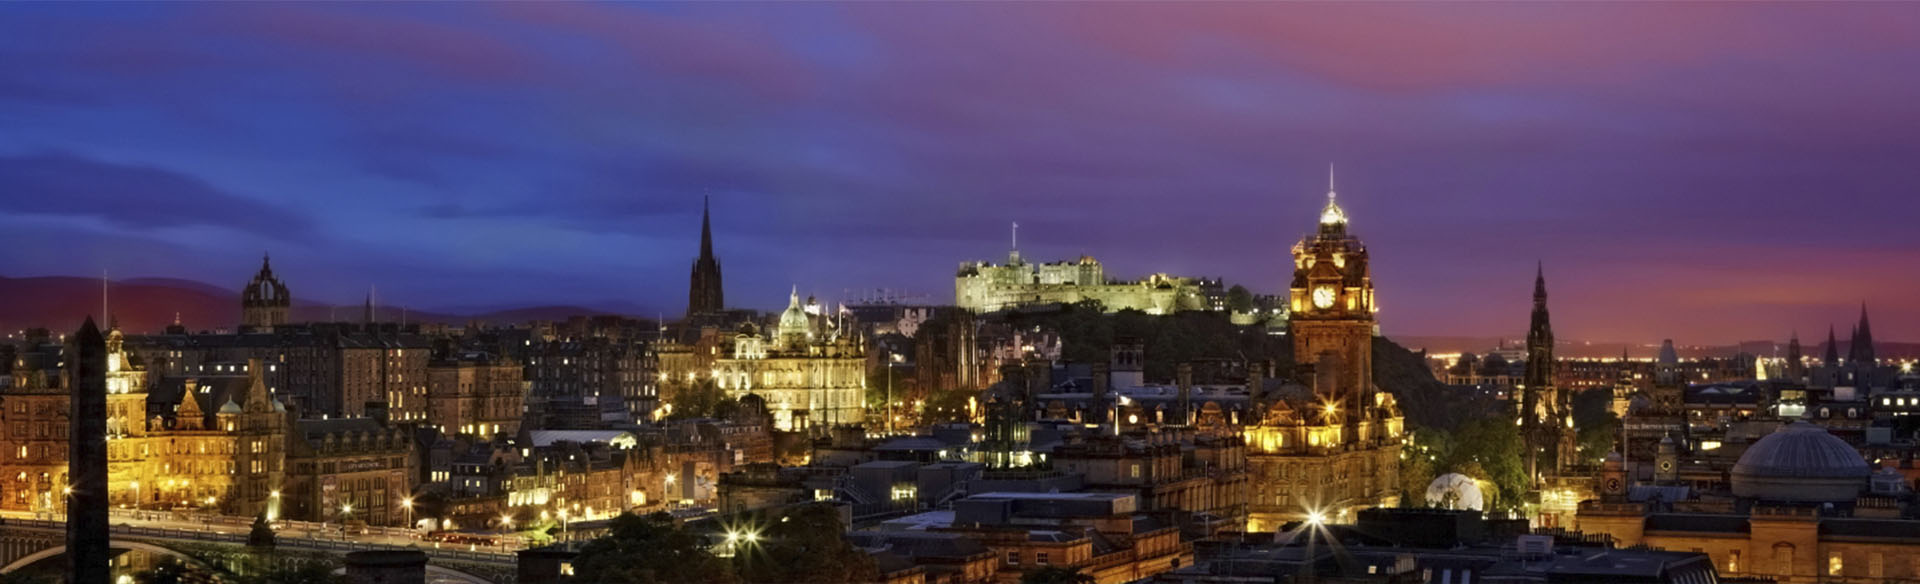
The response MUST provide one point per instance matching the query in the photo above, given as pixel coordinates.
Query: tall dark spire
(1540, 285)
(1860, 350)
(1541, 400)
(1796, 363)
(1833, 349)
(705, 294)
(706, 227)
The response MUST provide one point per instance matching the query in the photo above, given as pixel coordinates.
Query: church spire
(1540, 283)
(1860, 350)
(1833, 349)
(705, 294)
(706, 227)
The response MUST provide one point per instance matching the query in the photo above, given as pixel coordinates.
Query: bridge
(24, 542)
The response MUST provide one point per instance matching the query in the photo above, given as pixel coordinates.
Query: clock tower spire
(1334, 451)
(1332, 313)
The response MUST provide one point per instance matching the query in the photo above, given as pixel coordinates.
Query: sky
(1708, 172)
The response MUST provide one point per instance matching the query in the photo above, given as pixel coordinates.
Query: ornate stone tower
(264, 302)
(1542, 410)
(1332, 314)
(705, 295)
(1332, 448)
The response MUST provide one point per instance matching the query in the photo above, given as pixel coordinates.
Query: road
(298, 534)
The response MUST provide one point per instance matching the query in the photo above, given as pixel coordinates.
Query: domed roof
(794, 320)
(1455, 491)
(1800, 462)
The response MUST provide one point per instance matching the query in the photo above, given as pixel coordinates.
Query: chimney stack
(1183, 376)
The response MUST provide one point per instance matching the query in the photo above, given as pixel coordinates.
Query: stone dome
(1800, 462)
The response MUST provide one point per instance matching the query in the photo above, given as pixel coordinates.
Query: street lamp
(136, 495)
(890, 359)
(407, 503)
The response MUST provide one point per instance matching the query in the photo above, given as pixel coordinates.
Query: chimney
(1256, 380)
(1103, 392)
(1039, 379)
(1183, 376)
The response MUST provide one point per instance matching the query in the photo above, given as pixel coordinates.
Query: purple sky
(1707, 172)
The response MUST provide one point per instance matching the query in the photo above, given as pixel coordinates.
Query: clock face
(1666, 465)
(1323, 297)
(1613, 484)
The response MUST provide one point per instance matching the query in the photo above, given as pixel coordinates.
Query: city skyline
(1717, 175)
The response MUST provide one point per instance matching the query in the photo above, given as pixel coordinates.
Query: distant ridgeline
(1087, 336)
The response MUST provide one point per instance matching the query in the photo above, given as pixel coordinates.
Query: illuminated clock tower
(1331, 319)
(1324, 452)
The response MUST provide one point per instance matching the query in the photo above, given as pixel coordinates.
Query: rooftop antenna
(1016, 236)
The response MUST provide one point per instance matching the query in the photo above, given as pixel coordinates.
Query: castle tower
(705, 295)
(1833, 350)
(265, 301)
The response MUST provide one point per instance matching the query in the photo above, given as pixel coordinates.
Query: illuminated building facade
(985, 287)
(476, 394)
(203, 443)
(810, 371)
(349, 469)
(1332, 448)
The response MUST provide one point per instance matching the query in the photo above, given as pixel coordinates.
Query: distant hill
(143, 305)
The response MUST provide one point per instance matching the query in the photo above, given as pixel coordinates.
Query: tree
(649, 550)
(1056, 575)
(699, 399)
(1490, 449)
(805, 546)
(261, 536)
(1239, 299)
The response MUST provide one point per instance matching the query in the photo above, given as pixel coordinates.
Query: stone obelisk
(87, 555)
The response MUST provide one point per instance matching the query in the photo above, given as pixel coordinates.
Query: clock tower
(1328, 446)
(1331, 319)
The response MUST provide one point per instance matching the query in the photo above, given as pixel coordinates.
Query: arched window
(1783, 558)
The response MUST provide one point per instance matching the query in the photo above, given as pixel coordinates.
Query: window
(1040, 558)
(1136, 471)
(1733, 562)
(1876, 565)
(1013, 558)
(1783, 558)
(1834, 564)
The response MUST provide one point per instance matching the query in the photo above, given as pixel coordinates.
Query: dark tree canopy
(649, 550)
(1056, 575)
(805, 546)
